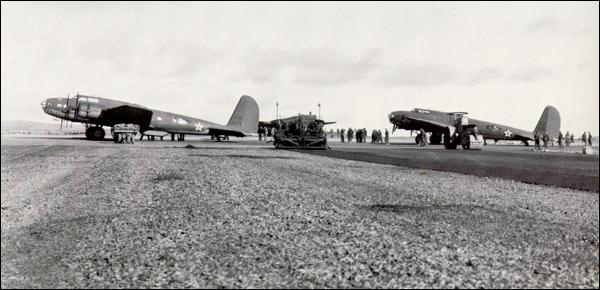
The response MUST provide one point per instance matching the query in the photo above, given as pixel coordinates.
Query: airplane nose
(392, 116)
(43, 105)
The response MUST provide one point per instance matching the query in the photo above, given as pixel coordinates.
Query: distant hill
(23, 126)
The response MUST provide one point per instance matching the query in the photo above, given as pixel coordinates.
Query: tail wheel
(466, 146)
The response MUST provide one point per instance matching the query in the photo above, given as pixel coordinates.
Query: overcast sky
(502, 62)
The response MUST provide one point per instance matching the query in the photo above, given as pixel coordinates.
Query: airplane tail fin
(549, 122)
(245, 115)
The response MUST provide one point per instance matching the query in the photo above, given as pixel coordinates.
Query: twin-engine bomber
(96, 112)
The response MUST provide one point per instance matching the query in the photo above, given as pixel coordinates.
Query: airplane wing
(125, 114)
(427, 125)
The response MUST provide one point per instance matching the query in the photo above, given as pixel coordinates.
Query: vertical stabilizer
(245, 115)
(549, 122)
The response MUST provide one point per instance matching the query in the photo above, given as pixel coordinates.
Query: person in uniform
(350, 135)
(342, 135)
(584, 138)
(536, 138)
(560, 140)
(387, 136)
(567, 139)
(422, 138)
(589, 135)
(546, 138)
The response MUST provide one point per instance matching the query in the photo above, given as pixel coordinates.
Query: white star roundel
(507, 133)
(199, 126)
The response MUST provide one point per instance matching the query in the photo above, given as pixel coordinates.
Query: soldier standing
(350, 134)
(422, 138)
(560, 140)
(387, 136)
(536, 138)
(584, 138)
(589, 135)
(342, 135)
(546, 138)
(567, 139)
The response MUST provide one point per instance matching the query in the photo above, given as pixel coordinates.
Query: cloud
(428, 74)
(485, 74)
(532, 74)
(549, 24)
(167, 58)
(263, 66)
(311, 66)
(330, 67)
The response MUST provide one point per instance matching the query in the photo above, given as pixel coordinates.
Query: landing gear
(95, 133)
(435, 139)
(448, 142)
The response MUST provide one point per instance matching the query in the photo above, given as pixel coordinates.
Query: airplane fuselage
(96, 112)
(431, 121)
(88, 110)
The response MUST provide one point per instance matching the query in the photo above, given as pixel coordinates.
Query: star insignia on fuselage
(199, 126)
(507, 133)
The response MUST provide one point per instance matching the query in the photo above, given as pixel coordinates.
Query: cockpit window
(421, 111)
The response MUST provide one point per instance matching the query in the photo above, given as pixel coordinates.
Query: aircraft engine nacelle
(89, 112)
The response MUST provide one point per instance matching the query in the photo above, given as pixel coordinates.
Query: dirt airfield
(157, 214)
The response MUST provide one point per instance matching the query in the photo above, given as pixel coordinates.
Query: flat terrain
(564, 168)
(240, 214)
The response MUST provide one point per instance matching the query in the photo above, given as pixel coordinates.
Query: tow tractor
(301, 132)
(463, 134)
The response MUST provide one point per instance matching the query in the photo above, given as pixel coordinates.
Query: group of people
(563, 140)
(263, 132)
(360, 135)
(378, 137)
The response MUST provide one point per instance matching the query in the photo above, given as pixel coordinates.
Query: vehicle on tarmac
(302, 132)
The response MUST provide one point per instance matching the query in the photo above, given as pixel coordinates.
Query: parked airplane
(96, 112)
(439, 124)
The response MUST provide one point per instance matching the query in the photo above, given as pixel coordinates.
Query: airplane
(96, 112)
(441, 124)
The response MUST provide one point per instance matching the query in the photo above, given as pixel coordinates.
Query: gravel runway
(155, 215)
(520, 163)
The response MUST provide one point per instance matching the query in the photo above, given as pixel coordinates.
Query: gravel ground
(119, 216)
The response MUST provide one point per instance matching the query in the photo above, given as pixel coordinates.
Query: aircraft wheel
(95, 133)
(417, 140)
(466, 146)
(435, 139)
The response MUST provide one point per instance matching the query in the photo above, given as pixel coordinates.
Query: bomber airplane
(440, 124)
(96, 112)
